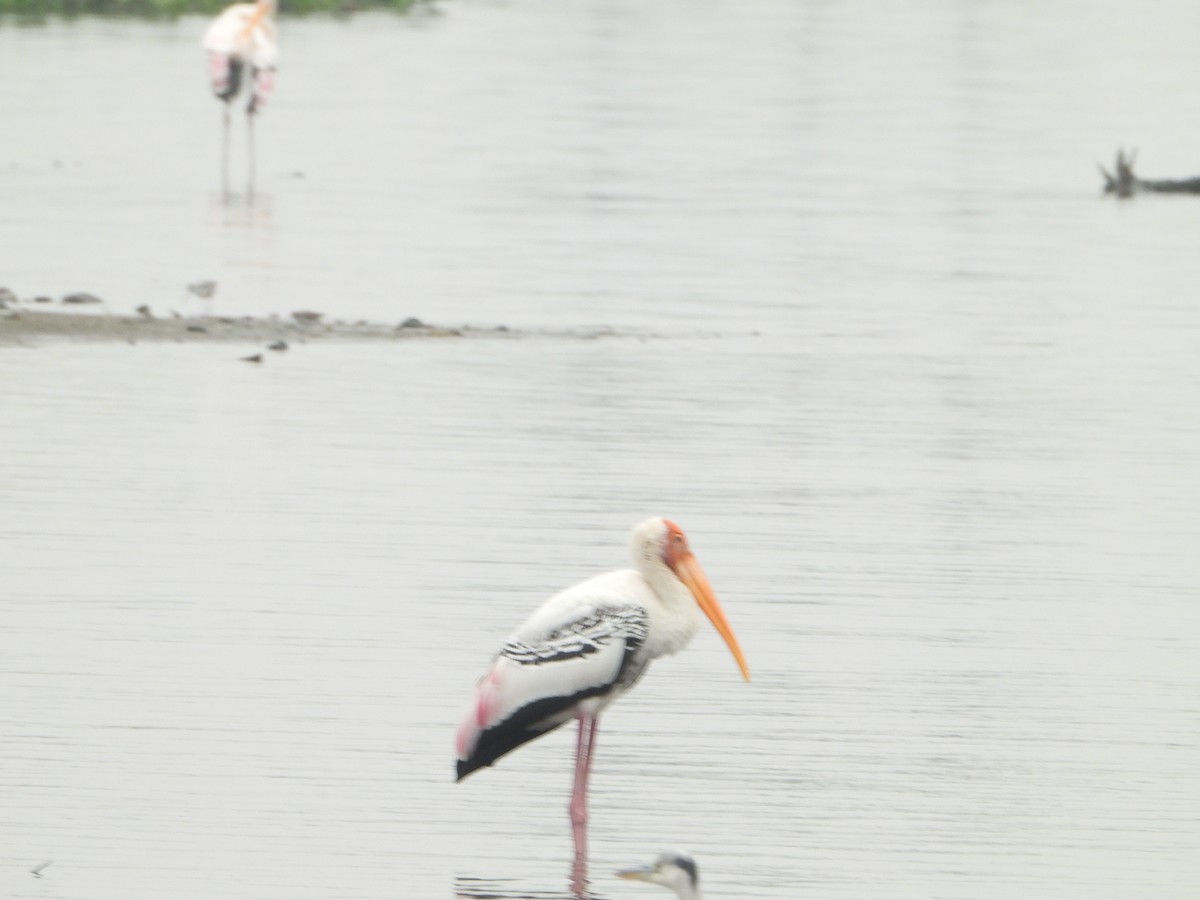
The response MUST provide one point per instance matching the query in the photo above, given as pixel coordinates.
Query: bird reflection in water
(466, 888)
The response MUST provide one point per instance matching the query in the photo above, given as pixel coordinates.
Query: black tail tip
(465, 767)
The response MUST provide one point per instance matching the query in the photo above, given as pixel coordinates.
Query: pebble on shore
(81, 298)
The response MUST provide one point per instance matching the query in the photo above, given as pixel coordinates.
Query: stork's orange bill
(687, 567)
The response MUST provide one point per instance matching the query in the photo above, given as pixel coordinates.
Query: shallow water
(924, 403)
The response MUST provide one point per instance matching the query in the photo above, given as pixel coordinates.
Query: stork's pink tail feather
(220, 72)
(481, 716)
(264, 83)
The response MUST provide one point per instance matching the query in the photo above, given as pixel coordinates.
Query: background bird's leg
(585, 748)
(250, 145)
(225, 152)
(251, 109)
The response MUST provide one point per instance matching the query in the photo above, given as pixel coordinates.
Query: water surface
(922, 400)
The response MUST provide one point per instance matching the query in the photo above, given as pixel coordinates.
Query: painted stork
(242, 51)
(582, 650)
(673, 869)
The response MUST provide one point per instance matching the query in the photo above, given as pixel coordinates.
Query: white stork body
(242, 52)
(583, 649)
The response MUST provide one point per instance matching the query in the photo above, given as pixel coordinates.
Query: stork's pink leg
(585, 748)
(583, 762)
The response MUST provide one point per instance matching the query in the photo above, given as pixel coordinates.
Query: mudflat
(26, 326)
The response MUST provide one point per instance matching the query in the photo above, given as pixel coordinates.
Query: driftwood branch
(1124, 183)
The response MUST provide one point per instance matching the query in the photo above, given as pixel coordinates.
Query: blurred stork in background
(242, 54)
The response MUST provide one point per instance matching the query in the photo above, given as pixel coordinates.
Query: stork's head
(660, 542)
(263, 9)
(673, 869)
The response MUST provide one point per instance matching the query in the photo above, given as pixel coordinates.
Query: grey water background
(924, 402)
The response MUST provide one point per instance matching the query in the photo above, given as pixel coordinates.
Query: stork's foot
(579, 880)
(579, 819)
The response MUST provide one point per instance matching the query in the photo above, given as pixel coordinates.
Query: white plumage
(575, 655)
(583, 648)
(245, 31)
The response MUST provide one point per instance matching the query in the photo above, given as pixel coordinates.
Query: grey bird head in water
(673, 869)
